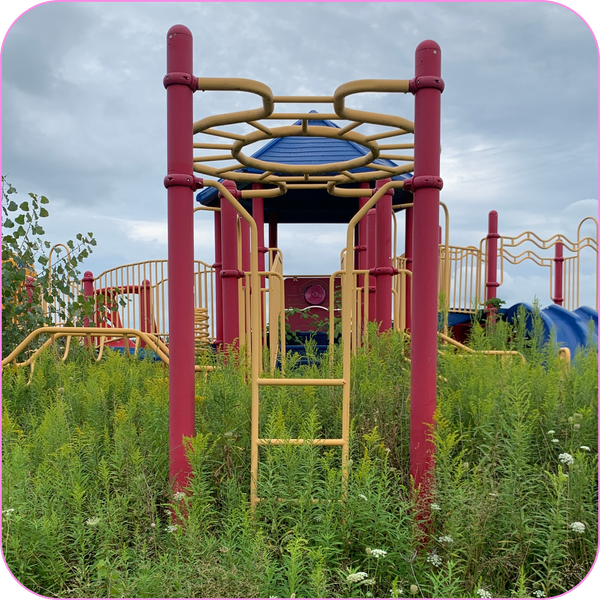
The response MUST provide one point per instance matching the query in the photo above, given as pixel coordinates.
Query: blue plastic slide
(574, 329)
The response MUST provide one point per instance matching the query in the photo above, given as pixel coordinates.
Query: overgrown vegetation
(87, 511)
(29, 279)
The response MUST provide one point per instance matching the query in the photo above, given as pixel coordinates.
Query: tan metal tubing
(256, 350)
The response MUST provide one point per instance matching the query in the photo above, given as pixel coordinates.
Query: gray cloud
(84, 110)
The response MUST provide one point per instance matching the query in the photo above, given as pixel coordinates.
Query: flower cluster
(555, 441)
(171, 528)
(362, 496)
(445, 539)
(356, 577)
(435, 506)
(551, 432)
(483, 593)
(179, 496)
(577, 527)
(93, 521)
(584, 448)
(539, 593)
(377, 553)
(566, 459)
(435, 559)
(8, 511)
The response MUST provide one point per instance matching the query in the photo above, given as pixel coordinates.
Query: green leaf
(38, 230)
(70, 244)
(12, 206)
(20, 220)
(44, 200)
(8, 223)
(43, 213)
(43, 260)
(11, 190)
(24, 206)
(19, 232)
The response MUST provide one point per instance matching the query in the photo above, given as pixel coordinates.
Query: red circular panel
(315, 294)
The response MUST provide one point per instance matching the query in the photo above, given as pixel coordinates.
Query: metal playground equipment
(179, 306)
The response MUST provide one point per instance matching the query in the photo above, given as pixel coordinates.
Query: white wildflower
(565, 475)
(318, 518)
(377, 553)
(566, 459)
(435, 506)
(551, 432)
(445, 539)
(179, 496)
(153, 525)
(171, 528)
(585, 448)
(435, 559)
(483, 593)
(539, 593)
(93, 521)
(577, 527)
(356, 577)
(369, 582)
(576, 427)
(8, 511)
(554, 441)
(362, 496)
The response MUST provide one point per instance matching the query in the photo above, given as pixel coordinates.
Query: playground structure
(179, 306)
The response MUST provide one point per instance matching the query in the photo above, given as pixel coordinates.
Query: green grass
(87, 510)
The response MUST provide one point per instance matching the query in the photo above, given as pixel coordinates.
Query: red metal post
(181, 249)
(383, 257)
(258, 213)
(491, 282)
(273, 231)
(229, 272)
(218, 312)
(361, 246)
(88, 292)
(408, 256)
(427, 87)
(245, 245)
(558, 274)
(145, 309)
(371, 227)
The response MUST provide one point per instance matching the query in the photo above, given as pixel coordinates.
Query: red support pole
(426, 183)
(361, 247)
(491, 283)
(145, 309)
(383, 258)
(273, 231)
(408, 256)
(558, 274)
(371, 227)
(245, 245)
(178, 82)
(218, 311)
(230, 272)
(258, 213)
(88, 292)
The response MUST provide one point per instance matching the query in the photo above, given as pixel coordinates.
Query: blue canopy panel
(308, 206)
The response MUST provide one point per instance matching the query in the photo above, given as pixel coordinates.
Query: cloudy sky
(83, 111)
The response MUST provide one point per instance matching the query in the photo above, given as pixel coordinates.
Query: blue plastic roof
(300, 150)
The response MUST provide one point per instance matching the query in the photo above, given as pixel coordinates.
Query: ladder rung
(300, 442)
(301, 381)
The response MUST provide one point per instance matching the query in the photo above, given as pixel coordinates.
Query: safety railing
(136, 296)
(569, 268)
